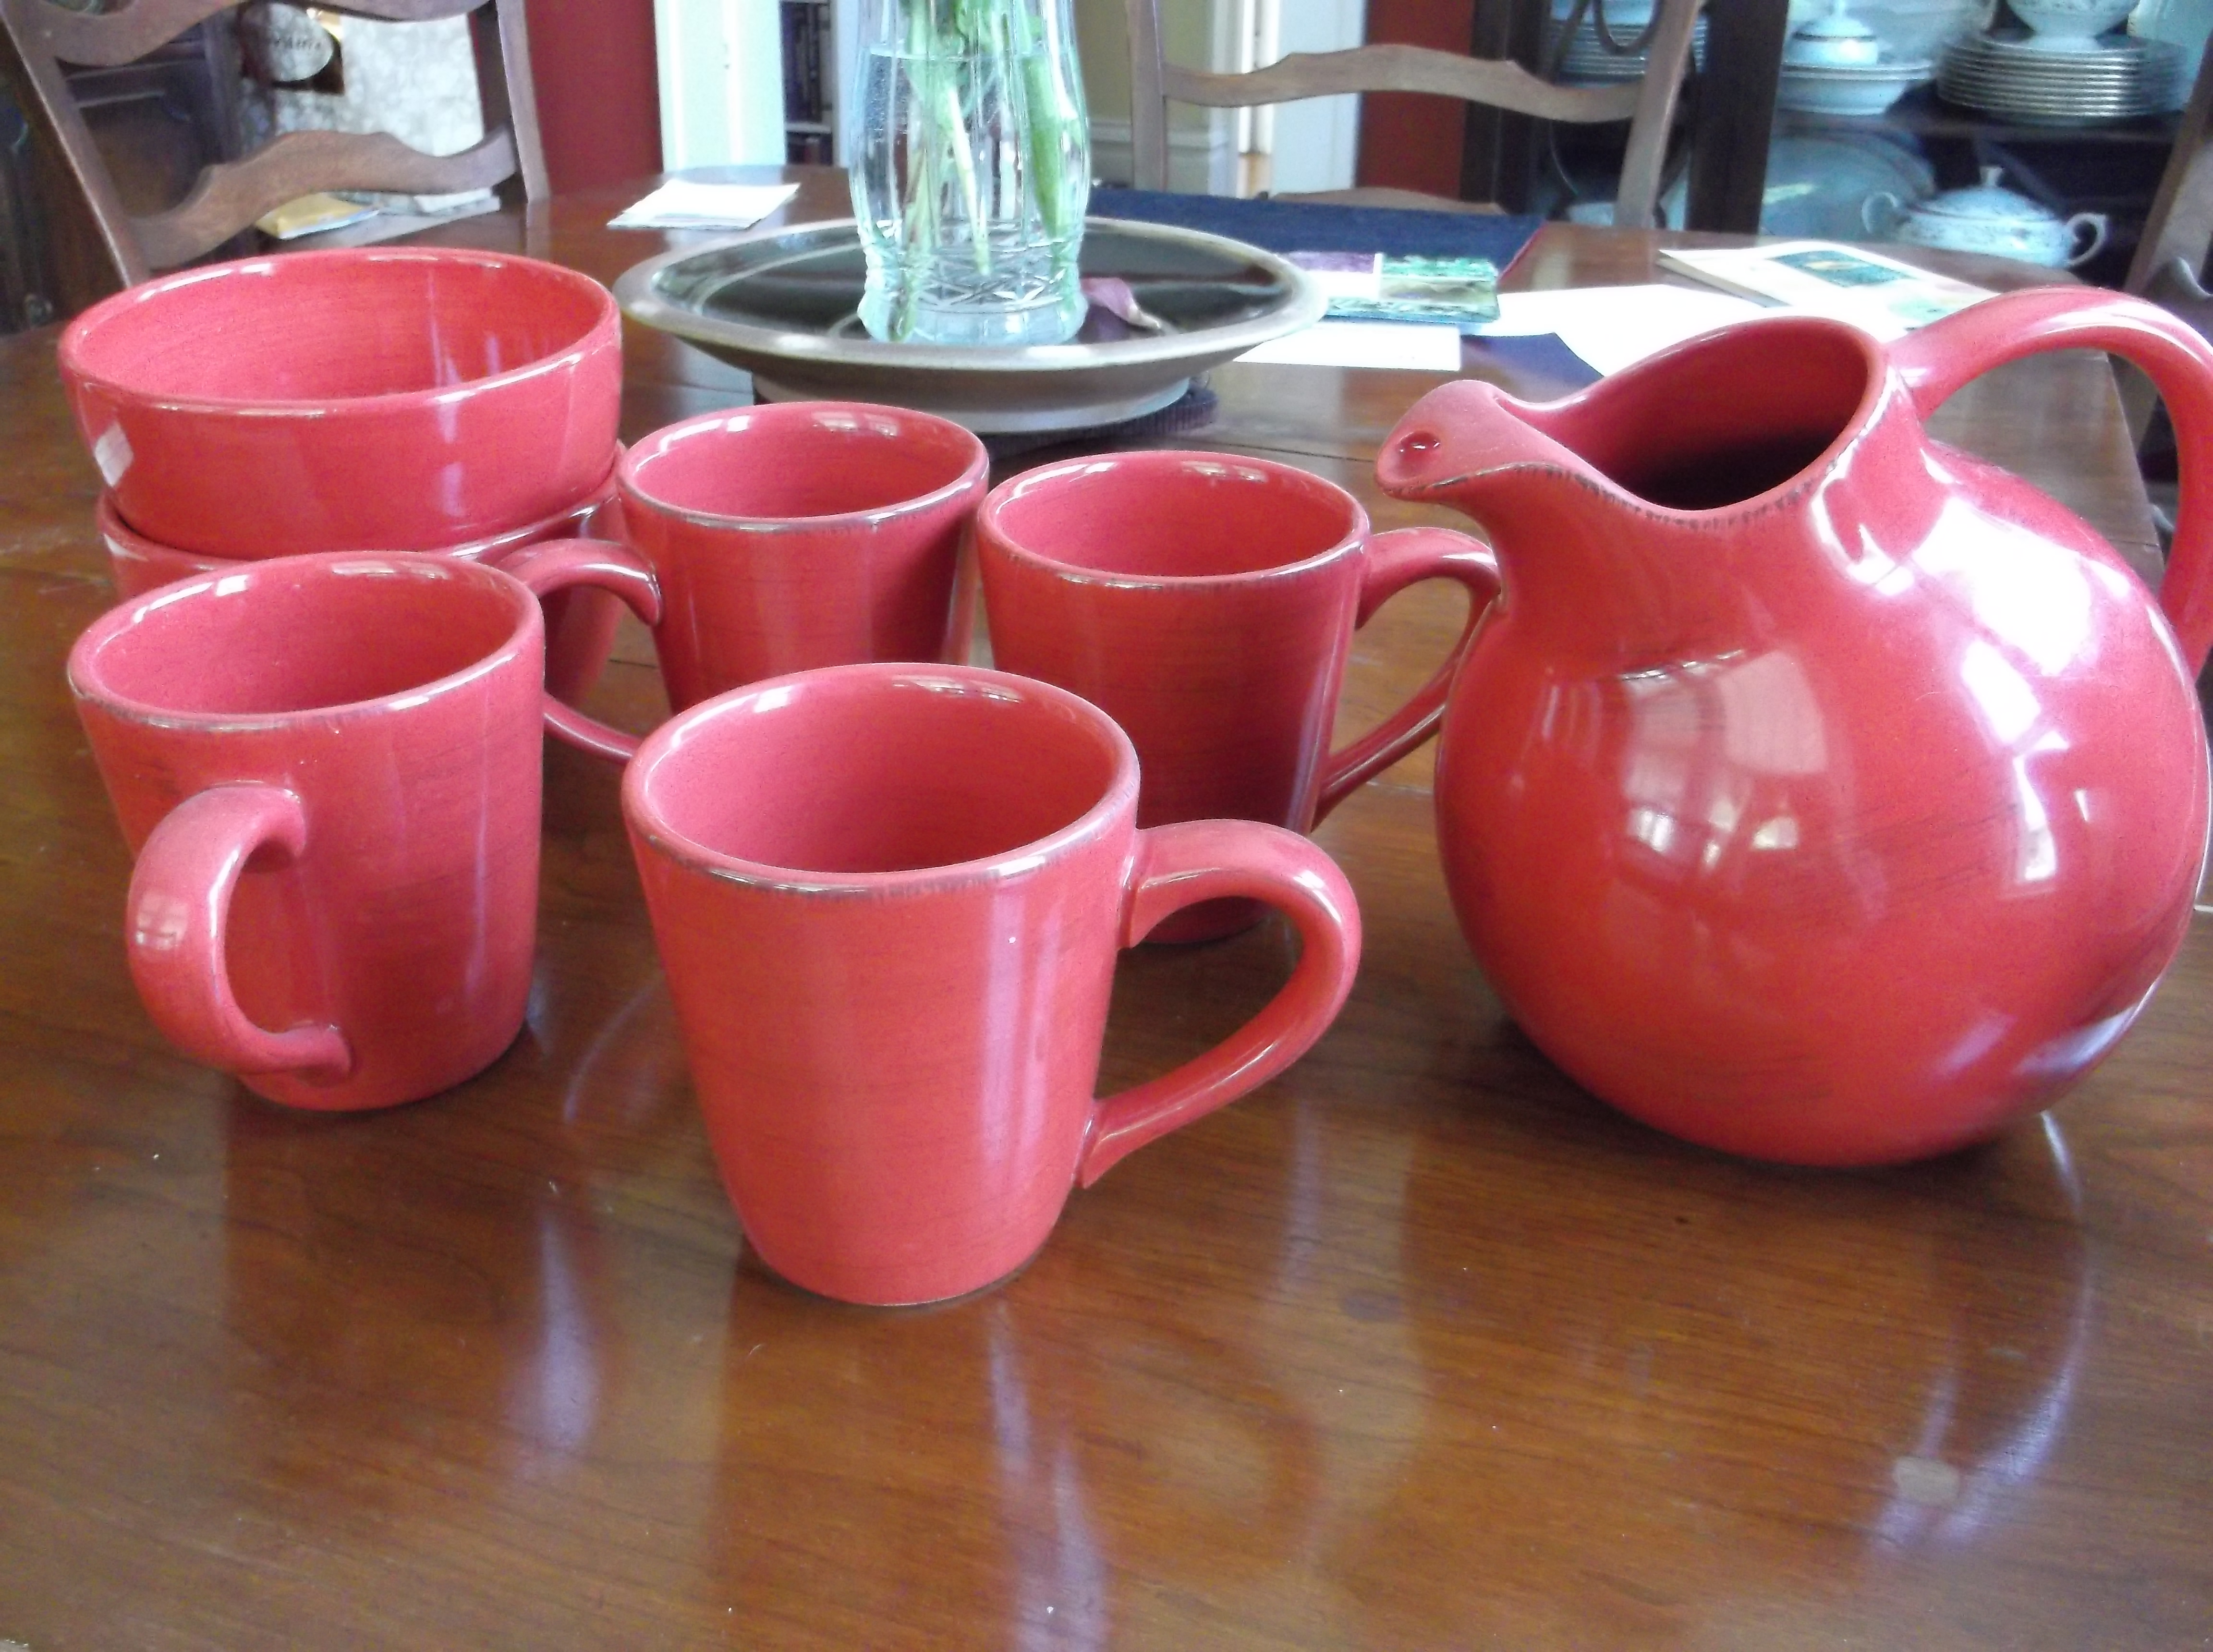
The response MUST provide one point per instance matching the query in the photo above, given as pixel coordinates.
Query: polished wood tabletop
(1418, 1346)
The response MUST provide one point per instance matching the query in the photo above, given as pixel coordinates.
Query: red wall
(1407, 141)
(599, 101)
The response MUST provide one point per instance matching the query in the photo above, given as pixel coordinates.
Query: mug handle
(1941, 357)
(554, 565)
(579, 636)
(1181, 865)
(1403, 557)
(178, 916)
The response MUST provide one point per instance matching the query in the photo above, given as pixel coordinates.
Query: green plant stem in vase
(972, 169)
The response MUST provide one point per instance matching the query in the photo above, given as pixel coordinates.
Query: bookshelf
(810, 83)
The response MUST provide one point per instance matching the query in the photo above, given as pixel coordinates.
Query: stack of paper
(1612, 327)
(1417, 346)
(688, 203)
(1888, 297)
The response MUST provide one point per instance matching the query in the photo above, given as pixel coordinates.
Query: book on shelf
(1883, 294)
(806, 57)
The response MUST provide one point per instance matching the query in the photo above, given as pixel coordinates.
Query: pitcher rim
(1872, 350)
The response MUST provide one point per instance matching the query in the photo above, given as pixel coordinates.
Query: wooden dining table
(1419, 1346)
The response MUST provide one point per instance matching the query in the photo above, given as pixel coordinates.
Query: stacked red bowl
(433, 399)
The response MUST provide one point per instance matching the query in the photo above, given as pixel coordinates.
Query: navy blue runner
(1319, 227)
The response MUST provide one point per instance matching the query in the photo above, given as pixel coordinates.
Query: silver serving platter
(782, 302)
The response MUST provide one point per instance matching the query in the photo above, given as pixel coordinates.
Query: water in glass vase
(973, 170)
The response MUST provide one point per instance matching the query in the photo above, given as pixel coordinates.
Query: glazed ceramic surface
(1849, 91)
(1987, 217)
(781, 538)
(1207, 603)
(1814, 790)
(888, 899)
(403, 398)
(328, 769)
(2069, 25)
(580, 625)
(1839, 40)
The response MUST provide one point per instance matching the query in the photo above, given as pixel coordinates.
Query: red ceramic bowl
(580, 624)
(403, 398)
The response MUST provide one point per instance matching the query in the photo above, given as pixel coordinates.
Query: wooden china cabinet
(1729, 116)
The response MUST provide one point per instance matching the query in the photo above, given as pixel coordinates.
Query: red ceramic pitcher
(1815, 790)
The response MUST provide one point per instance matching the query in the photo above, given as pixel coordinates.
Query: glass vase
(971, 170)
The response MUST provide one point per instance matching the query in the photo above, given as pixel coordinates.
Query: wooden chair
(1649, 105)
(2169, 266)
(40, 35)
(2170, 257)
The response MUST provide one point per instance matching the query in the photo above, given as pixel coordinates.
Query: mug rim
(978, 469)
(651, 827)
(992, 534)
(86, 684)
(76, 337)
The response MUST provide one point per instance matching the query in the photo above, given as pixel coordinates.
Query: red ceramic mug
(1207, 602)
(781, 538)
(889, 898)
(328, 768)
(580, 625)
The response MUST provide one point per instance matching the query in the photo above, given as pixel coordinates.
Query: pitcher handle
(1942, 356)
(1403, 557)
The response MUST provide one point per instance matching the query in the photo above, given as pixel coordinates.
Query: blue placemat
(1318, 227)
(1535, 366)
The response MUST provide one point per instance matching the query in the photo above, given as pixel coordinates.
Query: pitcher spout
(1640, 516)
(1570, 562)
(1469, 445)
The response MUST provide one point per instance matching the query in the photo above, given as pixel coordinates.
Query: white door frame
(1315, 144)
(721, 66)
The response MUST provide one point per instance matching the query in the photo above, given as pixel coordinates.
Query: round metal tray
(782, 303)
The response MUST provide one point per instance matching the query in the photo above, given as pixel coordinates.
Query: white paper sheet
(688, 203)
(1611, 328)
(1415, 346)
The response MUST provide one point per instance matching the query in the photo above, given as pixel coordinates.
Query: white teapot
(1988, 218)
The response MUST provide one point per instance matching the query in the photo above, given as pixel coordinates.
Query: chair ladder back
(1667, 62)
(1148, 108)
(2181, 223)
(34, 74)
(228, 196)
(1649, 105)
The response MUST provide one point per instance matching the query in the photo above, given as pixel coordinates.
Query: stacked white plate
(2118, 78)
(1587, 62)
(1843, 88)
